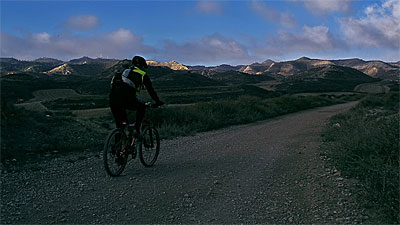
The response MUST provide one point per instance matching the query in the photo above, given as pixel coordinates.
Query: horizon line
(44, 57)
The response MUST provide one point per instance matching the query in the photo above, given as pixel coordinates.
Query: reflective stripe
(141, 72)
(137, 70)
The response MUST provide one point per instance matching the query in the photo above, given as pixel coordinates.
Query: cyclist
(125, 86)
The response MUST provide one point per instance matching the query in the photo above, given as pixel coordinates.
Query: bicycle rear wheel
(150, 146)
(115, 155)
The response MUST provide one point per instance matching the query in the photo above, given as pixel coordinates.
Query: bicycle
(119, 146)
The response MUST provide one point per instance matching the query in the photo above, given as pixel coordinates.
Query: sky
(201, 32)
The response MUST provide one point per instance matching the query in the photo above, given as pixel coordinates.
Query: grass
(211, 115)
(77, 103)
(364, 144)
(31, 135)
(40, 133)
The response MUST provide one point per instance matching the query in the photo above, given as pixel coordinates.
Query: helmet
(139, 62)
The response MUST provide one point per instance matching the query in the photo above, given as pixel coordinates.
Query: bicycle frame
(132, 139)
(147, 147)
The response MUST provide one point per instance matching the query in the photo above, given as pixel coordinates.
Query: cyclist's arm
(150, 89)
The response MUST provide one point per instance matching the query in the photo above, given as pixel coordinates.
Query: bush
(364, 144)
(29, 133)
(205, 116)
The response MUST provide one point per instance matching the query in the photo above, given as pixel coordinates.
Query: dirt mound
(33, 106)
(91, 113)
(53, 94)
(372, 88)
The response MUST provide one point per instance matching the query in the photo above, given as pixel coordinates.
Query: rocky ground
(265, 172)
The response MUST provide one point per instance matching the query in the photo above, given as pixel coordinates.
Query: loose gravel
(266, 172)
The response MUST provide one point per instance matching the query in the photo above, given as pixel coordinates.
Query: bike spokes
(150, 146)
(115, 152)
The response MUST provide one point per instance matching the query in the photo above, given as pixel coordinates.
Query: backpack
(121, 76)
(117, 78)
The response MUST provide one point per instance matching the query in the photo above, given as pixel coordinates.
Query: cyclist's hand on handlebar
(158, 104)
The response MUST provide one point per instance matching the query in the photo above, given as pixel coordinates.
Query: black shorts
(123, 97)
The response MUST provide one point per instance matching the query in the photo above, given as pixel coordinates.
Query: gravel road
(265, 172)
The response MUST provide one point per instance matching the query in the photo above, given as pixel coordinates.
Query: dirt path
(373, 88)
(266, 172)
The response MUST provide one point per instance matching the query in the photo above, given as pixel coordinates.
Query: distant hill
(86, 66)
(288, 68)
(86, 69)
(333, 72)
(172, 65)
(47, 66)
(48, 60)
(327, 78)
(208, 71)
(87, 60)
(257, 68)
(349, 62)
(269, 67)
(63, 69)
(375, 68)
(13, 66)
(395, 63)
(238, 78)
(9, 60)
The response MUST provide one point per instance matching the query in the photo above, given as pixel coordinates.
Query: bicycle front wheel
(150, 146)
(115, 154)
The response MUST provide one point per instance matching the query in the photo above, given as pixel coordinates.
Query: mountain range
(86, 66)
(376, 69)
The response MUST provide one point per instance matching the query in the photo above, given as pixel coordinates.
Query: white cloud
(284, 18)
(81, 22)
(209, 7)
(123, 36)
(311, 40)
(121, 43)
(213, 49)
(319, 35)
(209, 50)
(42, 37)
(321, 7)
(380, 27)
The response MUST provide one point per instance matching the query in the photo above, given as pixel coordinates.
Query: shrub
(364, 143)
(205, 116)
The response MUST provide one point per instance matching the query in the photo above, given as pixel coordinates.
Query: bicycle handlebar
(151, 105)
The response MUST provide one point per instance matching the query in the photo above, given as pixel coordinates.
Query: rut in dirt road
(265, 172)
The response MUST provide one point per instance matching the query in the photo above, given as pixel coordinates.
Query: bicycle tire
(149, 148)
(113, 148)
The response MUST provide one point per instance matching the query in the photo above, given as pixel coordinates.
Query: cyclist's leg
(138, 105)
(119, 113)
(139, 117)
(117, 105)
(120, 117)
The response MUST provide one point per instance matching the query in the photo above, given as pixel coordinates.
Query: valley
(73, 94)
(55, 116)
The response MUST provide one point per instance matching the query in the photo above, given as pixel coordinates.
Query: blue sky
(202, 32)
